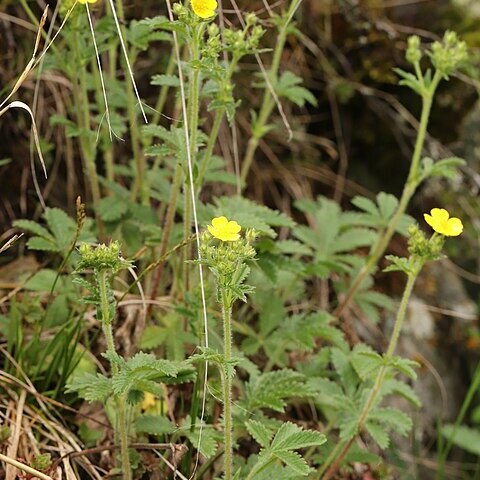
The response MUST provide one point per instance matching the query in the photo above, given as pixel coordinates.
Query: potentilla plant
(130, 380)
(446, 57)
(226, 253)
(369, 416)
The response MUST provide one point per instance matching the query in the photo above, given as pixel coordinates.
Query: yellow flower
(204, 8)
(87, 1)
(150, 402)
(439, 219)
(224, 230)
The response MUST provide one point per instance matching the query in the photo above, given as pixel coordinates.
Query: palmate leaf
(289, 86)
(91, 387)
(141, 367)
(289, 437)
(270, 390)
(248, 214)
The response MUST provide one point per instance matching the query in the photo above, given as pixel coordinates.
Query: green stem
(268, 102)
(193, 113)
(227, 385)
(138, 188)
(409, 189)
(472, 390)
(83, 113)
(381, 374)
(212, 140)
(167, 230)
(121, 421)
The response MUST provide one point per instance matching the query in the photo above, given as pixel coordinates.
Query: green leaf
(295, 462)
(392, 418)
(378, 434)
(165, 80)
(291, 437)
(62, 226)
(39, 243)
(154, 425)
(405, 366)
(270, 390)
(365, 361)
(259, 432)
(464, 437)
(289, 86)
(33, 227)
(90, 387)
(112, 208)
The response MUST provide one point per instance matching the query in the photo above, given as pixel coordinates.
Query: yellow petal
(219, 222)
(429, 220)
(454, 227)
(439, 214)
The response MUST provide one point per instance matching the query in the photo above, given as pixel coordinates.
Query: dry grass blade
(31, 63)
(10, 242)
(24, 106)
(25, 468)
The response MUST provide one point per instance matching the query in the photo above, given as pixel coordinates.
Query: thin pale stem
(409, 189)
(268, 102)
(85, 142)
(380, 376)
(472, 390)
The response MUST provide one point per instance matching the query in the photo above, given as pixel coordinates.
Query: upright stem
(121, 420)
(193, 112)
(227, 385)
(268, 102)
(83, 114)
(472, 390)
(139, 185)
(380, 376)
(409, 189)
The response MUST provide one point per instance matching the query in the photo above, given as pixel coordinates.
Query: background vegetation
(293, 122)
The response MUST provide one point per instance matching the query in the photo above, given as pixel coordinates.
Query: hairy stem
(380, 376)
(227, 385)
(409, 189)
(121, 421)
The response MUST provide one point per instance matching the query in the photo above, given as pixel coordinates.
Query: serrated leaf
(378, 433)
(165, 80)
(154, 425)
(365, 361)
(112, 208)
(291, 437)
(295, 461)
(392, 385)
(42, 244)
(90, 387)
(393, 418)
(33, 227)
(259, 432)
(270, 390)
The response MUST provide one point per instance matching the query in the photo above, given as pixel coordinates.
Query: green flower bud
(414, 53)
(447, 56)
